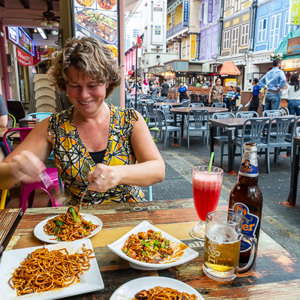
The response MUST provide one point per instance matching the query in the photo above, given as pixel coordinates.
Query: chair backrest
(150, 107)
(272, 113)
(224, 115)
(170, 100)
(166, 108)
(253, 129)
(160, 118)
(24, 131)
(16, 108)
(246, 114)
(197, 104)
(14, 121)
(39, 115)
(223, 105)
(280, 130)
(200, 117)
(185, 103)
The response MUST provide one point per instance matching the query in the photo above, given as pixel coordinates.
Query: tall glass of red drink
(206, 191)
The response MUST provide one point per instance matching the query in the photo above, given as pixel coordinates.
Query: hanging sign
(185, 13)
(23, 58)
(294, 12)
(157, 27)
(193, 38)
(293, 46)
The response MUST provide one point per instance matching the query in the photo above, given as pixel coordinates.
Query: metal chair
(27, 189)
(252, 131)
(272, 113)
(166, 129)
(198, 123)
(222, 137)
(222, 105)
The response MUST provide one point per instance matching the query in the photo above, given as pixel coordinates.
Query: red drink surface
(206, 191)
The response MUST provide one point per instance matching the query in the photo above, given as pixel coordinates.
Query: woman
(216, 92)
(95, 144)
(294, 95)
(145, 87)
(182, 92)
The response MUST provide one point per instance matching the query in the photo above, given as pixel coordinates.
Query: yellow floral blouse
(74, 161)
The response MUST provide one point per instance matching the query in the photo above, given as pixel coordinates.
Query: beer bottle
(246, 198)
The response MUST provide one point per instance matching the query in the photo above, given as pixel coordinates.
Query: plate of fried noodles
(155, 288)
(68, 227)
(50, 271)
(146, 247)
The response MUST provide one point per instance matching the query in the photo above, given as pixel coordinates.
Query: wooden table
(276, 274)
(294, 172)
(229, 125)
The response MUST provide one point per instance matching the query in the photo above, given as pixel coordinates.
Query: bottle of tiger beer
(246, 199)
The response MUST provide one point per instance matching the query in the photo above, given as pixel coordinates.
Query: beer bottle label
(249, 223)
(249, 165)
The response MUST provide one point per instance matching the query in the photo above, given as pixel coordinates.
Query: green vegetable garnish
(59, 223)
(75, 217)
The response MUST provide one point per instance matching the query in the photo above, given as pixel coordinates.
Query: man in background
(165, 88)
(275, 79)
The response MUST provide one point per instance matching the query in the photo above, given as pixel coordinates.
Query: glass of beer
(206, 192)
(223, 235)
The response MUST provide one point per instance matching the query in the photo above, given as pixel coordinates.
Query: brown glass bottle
(246, 198)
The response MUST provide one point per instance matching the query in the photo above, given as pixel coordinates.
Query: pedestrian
(254, 101)
(294, 95)
(275, 79)
(198, 83)
(229, 97)
(145, 87)
(237, 97)
(216, 92)
(96, 145)
(164, 88)
(155, 90)
(182, 90)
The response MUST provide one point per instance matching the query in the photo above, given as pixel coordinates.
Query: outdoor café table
(185, 110)
(230, 125)
(294, 172)
(276, 274)
(174, 104)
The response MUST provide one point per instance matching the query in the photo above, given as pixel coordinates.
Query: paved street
(281, 222)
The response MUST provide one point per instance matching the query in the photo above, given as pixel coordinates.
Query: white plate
(43, 236)
(116, 247)
(90, 281)
(128, 290)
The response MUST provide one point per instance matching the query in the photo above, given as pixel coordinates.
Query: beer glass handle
(253, 242)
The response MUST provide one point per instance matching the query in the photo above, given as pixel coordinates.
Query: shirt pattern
(74, 161)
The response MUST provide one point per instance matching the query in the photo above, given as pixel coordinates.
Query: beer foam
(222, 234)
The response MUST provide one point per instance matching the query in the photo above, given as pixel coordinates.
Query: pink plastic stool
(27, 189)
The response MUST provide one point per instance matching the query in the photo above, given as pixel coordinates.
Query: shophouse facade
(272, 27)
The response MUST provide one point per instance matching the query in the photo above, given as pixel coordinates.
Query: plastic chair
(272, 113)
(246, 114)
(27, 189)
(39, 115)
(222, 105)
(197, 104)
(164, 128)
(252, 131)
(199, 123)
(185, 103)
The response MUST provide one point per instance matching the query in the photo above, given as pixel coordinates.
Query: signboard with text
(294, 12)
(193, 39)
(185, 13)
(157, 27)
(293, 46)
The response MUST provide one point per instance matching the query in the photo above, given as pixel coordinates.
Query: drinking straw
(210, 161)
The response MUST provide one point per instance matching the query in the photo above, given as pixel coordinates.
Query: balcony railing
(174, 30)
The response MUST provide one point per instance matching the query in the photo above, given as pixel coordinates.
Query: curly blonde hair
(90, 56)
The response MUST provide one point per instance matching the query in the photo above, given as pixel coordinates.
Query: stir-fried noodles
(44, 270)
(163, 293)
(69, 226)
(151, 247)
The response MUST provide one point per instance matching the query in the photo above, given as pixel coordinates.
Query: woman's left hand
(103, 178)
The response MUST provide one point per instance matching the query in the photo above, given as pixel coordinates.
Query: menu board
(97, 19)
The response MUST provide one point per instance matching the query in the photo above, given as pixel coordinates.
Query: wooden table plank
(276, 274)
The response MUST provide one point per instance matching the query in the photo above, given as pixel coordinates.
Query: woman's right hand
(26, 167)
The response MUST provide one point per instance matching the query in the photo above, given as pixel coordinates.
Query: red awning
(229, 68)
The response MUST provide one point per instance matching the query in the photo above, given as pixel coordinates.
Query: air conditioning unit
(147, 62)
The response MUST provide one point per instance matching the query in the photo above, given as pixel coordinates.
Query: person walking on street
(165, 88)
(294, 95)
(275, 79)
(145, 87)
(254, 102)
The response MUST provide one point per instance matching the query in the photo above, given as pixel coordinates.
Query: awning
(228, 68)
(289, 47)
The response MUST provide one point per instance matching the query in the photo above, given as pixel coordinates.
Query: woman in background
(294, 95)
